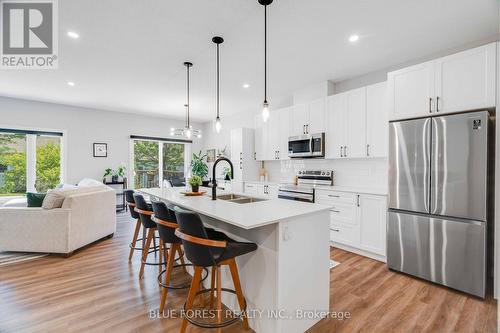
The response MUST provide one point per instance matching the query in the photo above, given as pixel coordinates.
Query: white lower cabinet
(357, 220)
(261, 190)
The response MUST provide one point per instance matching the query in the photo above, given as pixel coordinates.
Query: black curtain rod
(16, 131)
(152, 138)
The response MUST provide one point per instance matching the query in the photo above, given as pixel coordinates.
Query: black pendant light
(218, 124)
(187, 131)
(265, 105)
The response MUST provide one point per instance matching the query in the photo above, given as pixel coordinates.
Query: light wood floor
(97, 290)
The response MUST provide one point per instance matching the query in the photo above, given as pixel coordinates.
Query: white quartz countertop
(353, 189)
(246, 216)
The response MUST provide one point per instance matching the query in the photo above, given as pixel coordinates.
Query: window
(29, 161)
(152, 158)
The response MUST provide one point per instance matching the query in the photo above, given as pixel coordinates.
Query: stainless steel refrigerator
(438, 193)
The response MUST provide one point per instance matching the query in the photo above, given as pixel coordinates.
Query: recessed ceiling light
(353, 38)
(246, 86)
(73, 34)
(71, 83)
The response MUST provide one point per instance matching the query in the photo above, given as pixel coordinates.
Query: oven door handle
(289, 195)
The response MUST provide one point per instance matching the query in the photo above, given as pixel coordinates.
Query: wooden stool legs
(134, 239)
(170, 265)
(150, 237)
(216, 285)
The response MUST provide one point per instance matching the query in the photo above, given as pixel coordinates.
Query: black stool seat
(233, 249)
(210, 248)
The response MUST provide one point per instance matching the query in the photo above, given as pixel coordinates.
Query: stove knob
(322, 173)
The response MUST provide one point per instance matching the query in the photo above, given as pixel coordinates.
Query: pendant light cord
(218, 103)
(265, 54)
(187, 96)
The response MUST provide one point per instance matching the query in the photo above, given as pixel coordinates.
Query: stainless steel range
(307, 181)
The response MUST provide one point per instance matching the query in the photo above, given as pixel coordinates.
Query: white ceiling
(129, 55)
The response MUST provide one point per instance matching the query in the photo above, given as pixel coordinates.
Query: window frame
(31, 135)
(160, 141)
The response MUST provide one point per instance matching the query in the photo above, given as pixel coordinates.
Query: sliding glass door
(48, 162)
(157, 161)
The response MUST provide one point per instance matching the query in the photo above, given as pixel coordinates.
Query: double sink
(240, 199)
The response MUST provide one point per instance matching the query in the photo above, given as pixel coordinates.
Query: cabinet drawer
(348, 235)
(333, 197)
(342, 213)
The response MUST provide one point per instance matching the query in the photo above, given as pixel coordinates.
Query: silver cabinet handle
(278, 156)
(335, 211)
(437, 104)
(333, 196)
(430, 104)
(241, 155)
(336, 230)
(358, 200)
(345, 151)
(255, 155)
(367, 150)
(307, 128)
(341, 151)
(303, 129)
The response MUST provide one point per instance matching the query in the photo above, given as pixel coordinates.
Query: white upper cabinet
(317, 116)
(460, 82)
(271, 137)
(284, 129)
(411, 91)
(335, 135)
(376, 120)
(309, 118)
(356, 123)
(300, 118)
(466, 80)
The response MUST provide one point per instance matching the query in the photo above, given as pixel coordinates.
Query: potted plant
(199, 167)
(227, 173)
(195, 183)
(120, 172)
(108, 175)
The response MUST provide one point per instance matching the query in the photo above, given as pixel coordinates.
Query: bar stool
(166, 222)
(205, 252)
(129, 198)
(145, 211)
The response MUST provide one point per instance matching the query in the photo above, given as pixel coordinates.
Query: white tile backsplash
(368, 173)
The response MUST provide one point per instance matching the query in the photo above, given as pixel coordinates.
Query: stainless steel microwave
(304, 146)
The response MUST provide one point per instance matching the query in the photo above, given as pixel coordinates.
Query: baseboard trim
(359, 251)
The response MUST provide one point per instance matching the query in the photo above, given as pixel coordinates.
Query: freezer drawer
(409, 165)
(448, 252)
(459, 165)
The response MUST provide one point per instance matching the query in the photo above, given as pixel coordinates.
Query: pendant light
(187, 131)
(218, 124)
(265, 105)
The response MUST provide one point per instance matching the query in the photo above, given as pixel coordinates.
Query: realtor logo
(28, 34)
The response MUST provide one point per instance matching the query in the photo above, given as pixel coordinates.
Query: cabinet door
(335, 134)
(317, 116)
(372, 221)
(356, 123)
(300, 117)
(284, 133)
(376, 120)
(261, 138)
(273, 143)
(466, 80)
(411, 91)
(253, 189)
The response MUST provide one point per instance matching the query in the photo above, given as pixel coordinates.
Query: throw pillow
(52, 200)
(35, 199)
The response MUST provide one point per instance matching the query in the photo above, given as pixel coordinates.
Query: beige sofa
(88, 214)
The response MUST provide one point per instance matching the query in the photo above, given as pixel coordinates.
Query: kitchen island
(286, 281)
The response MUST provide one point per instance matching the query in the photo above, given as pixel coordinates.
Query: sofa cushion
(35, 199)
(18, 202)
(53, 199)
(89, 182)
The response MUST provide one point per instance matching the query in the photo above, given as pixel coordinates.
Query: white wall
(82, 128)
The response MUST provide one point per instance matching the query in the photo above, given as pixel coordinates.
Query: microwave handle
(311, 143)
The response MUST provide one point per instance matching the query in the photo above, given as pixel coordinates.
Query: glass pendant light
(265, 105)
(218, 124)
(187, 131)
